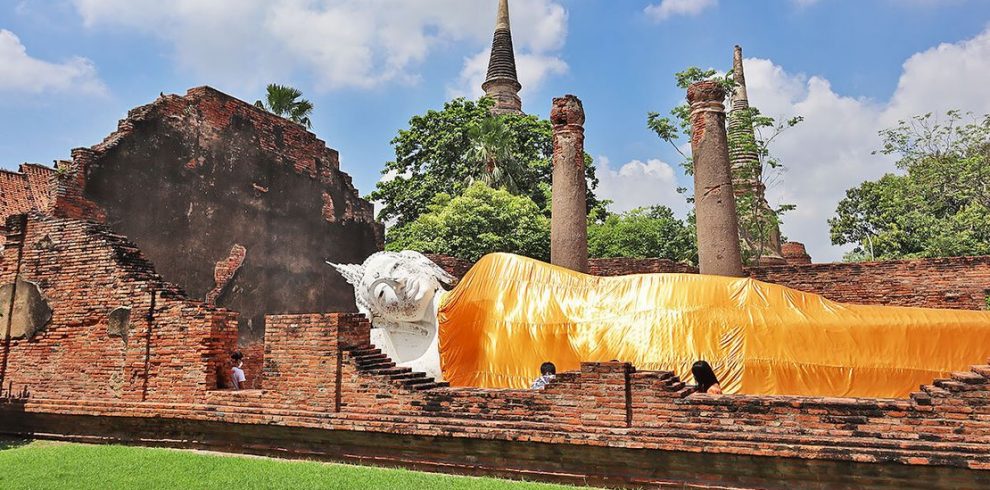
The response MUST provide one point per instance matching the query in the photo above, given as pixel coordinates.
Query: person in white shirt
(547, 374)
(237, 372)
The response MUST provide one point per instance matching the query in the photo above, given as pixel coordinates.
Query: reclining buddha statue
(510, 313)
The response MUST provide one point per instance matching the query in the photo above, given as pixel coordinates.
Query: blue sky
(72, 68)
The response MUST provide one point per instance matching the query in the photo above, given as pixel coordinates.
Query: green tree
(490, 154)
(285, 101)
(756, 219)
(939, 206)
(651, 232)
(432, 156)
(480, 221)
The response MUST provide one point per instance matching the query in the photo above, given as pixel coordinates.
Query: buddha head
(396, 288)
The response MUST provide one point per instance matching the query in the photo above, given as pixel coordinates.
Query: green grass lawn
(48, 465)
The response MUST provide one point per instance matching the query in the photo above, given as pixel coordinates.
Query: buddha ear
(352, 272)
(430, 266)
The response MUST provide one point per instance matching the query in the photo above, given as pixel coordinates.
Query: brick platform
(327, 393)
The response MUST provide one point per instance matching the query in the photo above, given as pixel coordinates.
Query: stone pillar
(715, 205)
(569, 213)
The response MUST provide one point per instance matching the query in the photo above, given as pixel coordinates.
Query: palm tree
(490, 152)
(285, 101)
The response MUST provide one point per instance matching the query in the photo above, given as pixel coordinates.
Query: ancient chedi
(715, 205)
(502, 83)
(747, 173)
(569, 215)
(237, 206)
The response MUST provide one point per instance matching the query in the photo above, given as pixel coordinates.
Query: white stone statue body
(400, 293)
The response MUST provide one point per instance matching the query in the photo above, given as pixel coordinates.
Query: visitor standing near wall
(237, 378)
(548, 371)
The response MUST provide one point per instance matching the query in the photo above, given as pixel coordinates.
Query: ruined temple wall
(31, 188)
(954, 282)
(316, 380)
(235, 205)
(164, 348)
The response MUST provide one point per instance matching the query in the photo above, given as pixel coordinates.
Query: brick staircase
(976, 379)
(370, 360)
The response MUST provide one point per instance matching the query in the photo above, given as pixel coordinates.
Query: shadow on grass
(8, 407)
(9, 442)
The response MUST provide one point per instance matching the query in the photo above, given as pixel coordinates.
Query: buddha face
(395, 288)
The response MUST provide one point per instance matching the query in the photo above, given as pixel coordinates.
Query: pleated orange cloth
(510, 313)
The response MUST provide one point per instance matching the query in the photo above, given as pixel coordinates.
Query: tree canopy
(652, 232)
(285, 101)
(434, 155)
(482, 220)
(939, 206)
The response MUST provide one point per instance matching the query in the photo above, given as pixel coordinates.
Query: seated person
(705, 378)
(547, 373)
(237, 377)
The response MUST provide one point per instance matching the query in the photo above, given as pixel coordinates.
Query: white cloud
(342, 43)
(24, 74)
(831, 151)
(669, 8)
(639, 184)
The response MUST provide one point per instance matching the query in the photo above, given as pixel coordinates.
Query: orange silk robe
(510, 313)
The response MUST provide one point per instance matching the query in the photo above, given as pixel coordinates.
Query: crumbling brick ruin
(110, 328)
(329, 393)
(125, 272)
(233, 204)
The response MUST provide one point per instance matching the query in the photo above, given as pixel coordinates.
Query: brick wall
(303, 354)
(170, 348)
(234, 204)
(624, 267)
(31, 188)
(955, 282)
(320, 372)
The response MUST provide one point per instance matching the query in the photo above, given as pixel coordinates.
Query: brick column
(569, 215)
(715, 205)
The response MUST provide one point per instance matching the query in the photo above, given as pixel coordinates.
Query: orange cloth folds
(511, 313)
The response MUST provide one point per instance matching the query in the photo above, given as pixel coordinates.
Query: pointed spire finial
(503, 15)
(502, 83)
(741, 98)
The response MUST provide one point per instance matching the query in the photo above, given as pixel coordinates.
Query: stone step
(431, 386)
(417, 381)
(935, 391)
(392, 371)
(371, 359)
(921, 398)
(982, 371)
(364, 350)
(968, 377)
(951, 385)
(376, 365)
(409, 375)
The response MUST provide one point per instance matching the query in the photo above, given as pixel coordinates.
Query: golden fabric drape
(510, 313)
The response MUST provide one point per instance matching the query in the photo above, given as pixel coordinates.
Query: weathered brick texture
(320, 373)
(234, 204)
(170, 349)
(956, 282)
